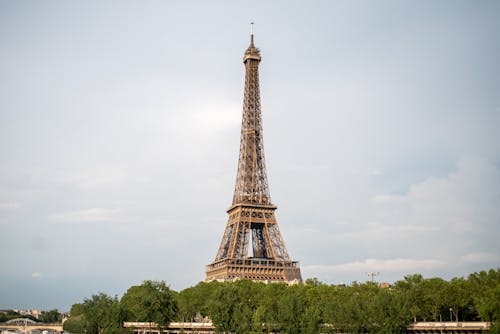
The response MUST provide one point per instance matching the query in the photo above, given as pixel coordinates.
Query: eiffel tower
(252, 218)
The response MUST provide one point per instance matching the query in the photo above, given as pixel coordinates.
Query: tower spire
(251, 33)
(251, 181)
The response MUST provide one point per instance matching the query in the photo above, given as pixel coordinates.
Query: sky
(120, 128)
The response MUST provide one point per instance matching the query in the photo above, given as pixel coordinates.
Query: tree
(390, 314)
(51, 316)
(234, 306)
(434, 291)
(249, 307)
(480, 284)
(311, 319)
(458, 299)
(75, 324)
(489, 310)
(328, 299)
(312, 281)
(266, 314)
(290, 309)
(151, 301)
(414, 299)
(77, 309)
(224, 309)
(10, 314)
(103, 315)
(196, 299)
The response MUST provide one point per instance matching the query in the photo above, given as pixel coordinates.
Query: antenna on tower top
(251, 33)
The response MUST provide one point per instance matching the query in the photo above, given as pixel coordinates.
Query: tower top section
(252, 52)
(251, 182)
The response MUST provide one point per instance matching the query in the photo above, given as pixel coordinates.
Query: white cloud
(98, 178)
(481, 257)
(9, 205)
(461, 202)
(87, 215)
(390, 265)
(372, 231)
(418, 228)
(210, 118)
(36, 275)
(389, 199)
(428, 229)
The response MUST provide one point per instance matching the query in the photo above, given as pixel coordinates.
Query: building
(252, 220)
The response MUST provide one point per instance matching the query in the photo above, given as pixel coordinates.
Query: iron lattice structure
(252, 217)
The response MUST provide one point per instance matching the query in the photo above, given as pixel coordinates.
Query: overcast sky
(120, 129)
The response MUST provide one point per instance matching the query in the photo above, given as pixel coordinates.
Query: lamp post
(451, 318)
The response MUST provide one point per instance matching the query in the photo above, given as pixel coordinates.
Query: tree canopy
(152, 301)
(312, 307)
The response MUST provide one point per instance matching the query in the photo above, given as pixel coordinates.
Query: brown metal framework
(252, 217)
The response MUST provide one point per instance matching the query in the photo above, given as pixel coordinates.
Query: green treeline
(313, 307)
(52, 316)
